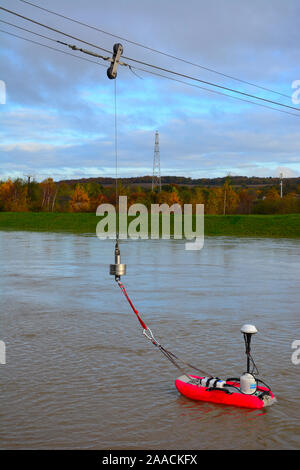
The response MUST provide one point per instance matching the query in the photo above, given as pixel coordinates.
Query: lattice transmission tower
(156, 179)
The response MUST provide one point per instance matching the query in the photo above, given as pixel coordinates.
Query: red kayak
(229, 394)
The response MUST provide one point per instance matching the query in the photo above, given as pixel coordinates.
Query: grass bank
(284, 226)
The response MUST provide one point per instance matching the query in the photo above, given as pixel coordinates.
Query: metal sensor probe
(248, 331)
(118, 269)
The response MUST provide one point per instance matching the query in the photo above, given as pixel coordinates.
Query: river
(79, 374)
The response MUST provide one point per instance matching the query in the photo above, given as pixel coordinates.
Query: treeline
(20, 196)
(291, 184)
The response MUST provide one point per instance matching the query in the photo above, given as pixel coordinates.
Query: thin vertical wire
(116, 157)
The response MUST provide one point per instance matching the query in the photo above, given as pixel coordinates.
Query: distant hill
(146, 181)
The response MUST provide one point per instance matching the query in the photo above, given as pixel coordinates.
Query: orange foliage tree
(169, 197)
(230, 198)
(215, 200)
(272, 195)
(80, 201)
(97, 201)
(13, 196)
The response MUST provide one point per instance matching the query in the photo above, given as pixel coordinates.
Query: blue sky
(58, 119)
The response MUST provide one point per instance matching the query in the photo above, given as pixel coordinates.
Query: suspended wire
(116, 152)
(215, 91)
(153, 50)
(132, 68)
(28, 31)
(157, 67)
(53, 29)
(56, 41)
(51, 48)
(211, 84)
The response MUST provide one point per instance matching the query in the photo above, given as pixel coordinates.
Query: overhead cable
(153, 49)
(157, 67)
(132, 68)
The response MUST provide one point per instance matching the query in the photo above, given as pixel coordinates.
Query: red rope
(167, 353)
(132, 306)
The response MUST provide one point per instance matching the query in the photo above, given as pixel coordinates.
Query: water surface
(80, 374)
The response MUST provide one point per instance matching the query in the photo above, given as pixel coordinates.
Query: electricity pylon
(156, 179)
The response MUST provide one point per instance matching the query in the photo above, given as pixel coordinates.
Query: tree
(246, 199)
(49, 193)
(230, 198)
(34, 196)
(97, 201)
(170, 198)
(80, 201)
(272, 195)
(137, 196)
(215, 201)
(198, 196)
(289, 204)
(13, 196)
(64, 195)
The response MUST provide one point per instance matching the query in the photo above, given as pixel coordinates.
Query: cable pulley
(112, 69)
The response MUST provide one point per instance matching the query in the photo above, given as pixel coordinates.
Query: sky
(57, 112)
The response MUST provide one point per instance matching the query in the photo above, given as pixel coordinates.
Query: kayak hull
(226, 396)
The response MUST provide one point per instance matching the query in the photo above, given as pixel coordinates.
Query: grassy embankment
(285, 226)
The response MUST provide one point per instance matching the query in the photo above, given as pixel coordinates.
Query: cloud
(59, 111)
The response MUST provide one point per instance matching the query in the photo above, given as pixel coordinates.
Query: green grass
(284, 226)
(49, 221)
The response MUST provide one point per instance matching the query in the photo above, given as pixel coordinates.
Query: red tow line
(132, 306)
(148, 333)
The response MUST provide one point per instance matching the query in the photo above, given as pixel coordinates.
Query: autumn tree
(96, 201)
(137, 196)
(49, 194)
(186, 196)
(64, 194)
(215, 204)
(272, 195)
(34, 196)
(289, 204)
(198, 196)
(230, 198)
(80, 201)
(13, 196)
(169, 197)
(246, 199)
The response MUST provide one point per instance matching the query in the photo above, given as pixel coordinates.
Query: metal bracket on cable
(114, 60)
(117, 52)
(150, 337)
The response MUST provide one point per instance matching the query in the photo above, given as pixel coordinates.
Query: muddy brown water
(79, 374)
